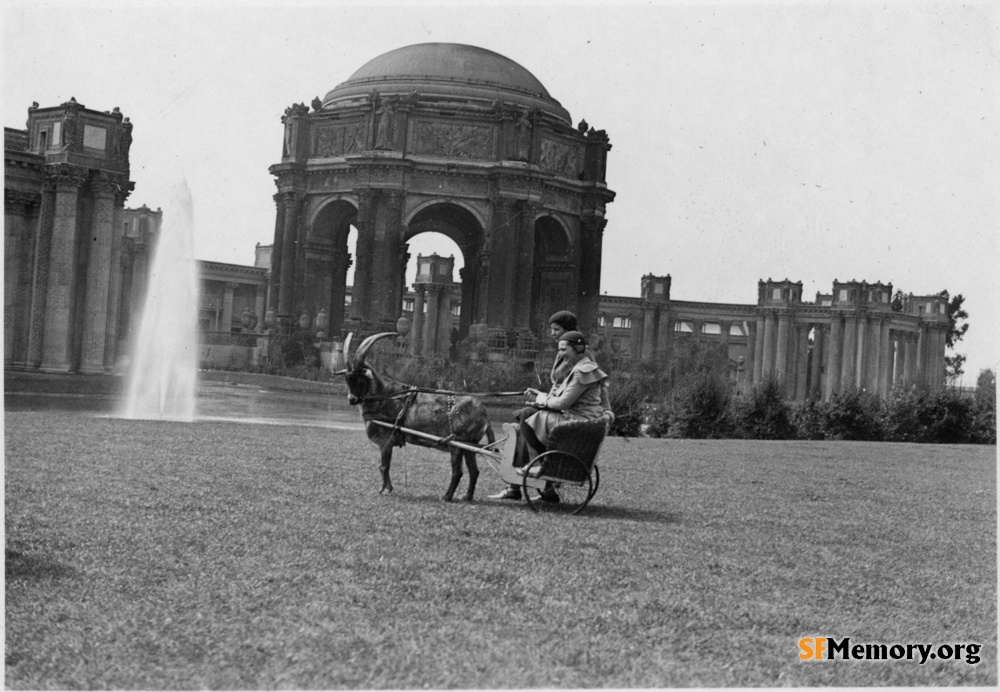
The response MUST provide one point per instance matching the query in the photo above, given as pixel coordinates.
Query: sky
(814, 141)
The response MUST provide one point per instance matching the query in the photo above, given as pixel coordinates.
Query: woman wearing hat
(577, 397)
(560, 323)
(581, 395)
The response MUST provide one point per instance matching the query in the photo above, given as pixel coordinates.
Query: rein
(426, 390)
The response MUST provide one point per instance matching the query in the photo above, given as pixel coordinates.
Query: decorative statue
(317, 104)
(383, 130)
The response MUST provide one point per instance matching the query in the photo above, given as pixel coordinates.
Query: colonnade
(865, 350)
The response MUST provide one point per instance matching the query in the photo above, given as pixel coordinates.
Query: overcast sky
(813, 141)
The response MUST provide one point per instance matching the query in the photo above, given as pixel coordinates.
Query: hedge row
(705, 408)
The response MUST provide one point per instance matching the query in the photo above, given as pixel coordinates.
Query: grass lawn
(221, 555)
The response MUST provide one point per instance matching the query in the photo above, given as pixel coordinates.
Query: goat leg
(470, 462)
(384, 468)
(456, 474)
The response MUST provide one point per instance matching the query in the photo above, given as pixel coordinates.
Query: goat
(461, 418)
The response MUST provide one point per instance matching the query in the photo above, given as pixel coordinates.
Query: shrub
(951, 416)
(808, 420)
(854, 415)
(983, 429)
(919, 414)
(633, 399)
(905, 419)
(763, 414)
(700, 408)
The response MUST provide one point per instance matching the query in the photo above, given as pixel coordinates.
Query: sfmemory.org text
(831, 649)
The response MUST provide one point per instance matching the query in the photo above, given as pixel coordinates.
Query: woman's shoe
(511, 493)
(547, 495)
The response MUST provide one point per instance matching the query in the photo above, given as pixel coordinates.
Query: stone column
(589, 289)
(781, 352)
(443, 345)
(848, 371)
(936, 346)
(802, 362)
(99, 267)
(431, 321)
(725, 328)
(874, 341)
(387, 301)
(61, 290)
(417, 329)
(116, 341)
(274, 281)
(664, 337)
(525, 266)
(758, 358)
(751, 358)
(501, 291)
(861, 353)
(286, 300)
(834, 355)
(770, 343)
(909, 358)
(227, 308)
(920, 359)
(648, 334)
(40, 272)
(816, 366)
(15, 239)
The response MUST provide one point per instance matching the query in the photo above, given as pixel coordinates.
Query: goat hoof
(446, 498)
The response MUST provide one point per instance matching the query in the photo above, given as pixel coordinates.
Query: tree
(953, 363)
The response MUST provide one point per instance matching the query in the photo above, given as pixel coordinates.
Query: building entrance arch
(326, 257)
(461, 226)
(554, 279)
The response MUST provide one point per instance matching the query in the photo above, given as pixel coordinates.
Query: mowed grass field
(223, 555)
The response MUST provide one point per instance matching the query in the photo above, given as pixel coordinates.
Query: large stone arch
(327, 257)
(464, 226)
(554, 276)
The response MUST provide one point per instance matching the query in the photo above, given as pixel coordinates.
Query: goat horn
(359, 359)
(347, 350)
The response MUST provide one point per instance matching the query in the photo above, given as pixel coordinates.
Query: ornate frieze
(559, 157)
(339, 140)
(330, 181)
(449, 184)
(455, 140)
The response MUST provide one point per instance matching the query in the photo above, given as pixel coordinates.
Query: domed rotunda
(445, 138)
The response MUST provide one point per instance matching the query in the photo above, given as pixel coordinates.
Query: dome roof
(450, 70)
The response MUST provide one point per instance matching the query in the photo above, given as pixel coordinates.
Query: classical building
(446, 138)
(67, 257)
(233, 296)
(849, 338)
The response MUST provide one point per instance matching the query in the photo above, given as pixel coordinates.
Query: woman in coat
(581, 396)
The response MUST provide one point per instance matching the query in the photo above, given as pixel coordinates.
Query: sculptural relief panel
(454, 140)
(339, 140)
(559, 157)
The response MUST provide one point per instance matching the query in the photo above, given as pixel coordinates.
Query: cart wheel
(565, 476)
(596, 474)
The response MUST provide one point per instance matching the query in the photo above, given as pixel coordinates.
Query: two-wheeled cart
(568, 466)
